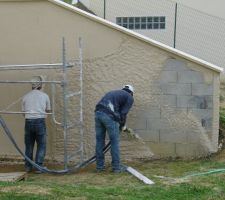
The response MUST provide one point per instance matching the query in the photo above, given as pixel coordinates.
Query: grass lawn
(89, 185)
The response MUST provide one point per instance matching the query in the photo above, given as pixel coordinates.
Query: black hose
(44, 169)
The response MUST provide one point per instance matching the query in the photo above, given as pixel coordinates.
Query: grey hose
(44, 169)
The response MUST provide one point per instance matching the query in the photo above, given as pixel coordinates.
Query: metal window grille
(143, 23)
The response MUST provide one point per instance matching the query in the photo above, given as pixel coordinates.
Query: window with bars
(142, 23)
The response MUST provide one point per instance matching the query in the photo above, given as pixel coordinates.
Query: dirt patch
(6, 167)
(84, 176)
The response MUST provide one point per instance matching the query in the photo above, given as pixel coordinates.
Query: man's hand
(131, 134)
(125, 129)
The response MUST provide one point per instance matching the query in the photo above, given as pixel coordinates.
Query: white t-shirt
(36, 101)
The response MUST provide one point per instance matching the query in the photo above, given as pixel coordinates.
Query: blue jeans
(35, 131)
(104, 123)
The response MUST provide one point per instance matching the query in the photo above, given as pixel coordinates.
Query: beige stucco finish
(32, 31)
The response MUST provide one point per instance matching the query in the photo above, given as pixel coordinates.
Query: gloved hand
(130, 133)
(122, 122)
(121, 127)
(125, 129)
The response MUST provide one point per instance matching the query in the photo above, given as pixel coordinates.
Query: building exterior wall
(198, 32)
(200, 35)
(139, 8)
(214, 8)
(175, 115)
(97, 7)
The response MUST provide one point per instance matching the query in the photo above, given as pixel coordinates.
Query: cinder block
(158, 124)
(148, 135)
(204, 116)
(130, 123)
(163, 149)
(186, 151)
(187, 101)
(201, 89)
(190, 150)
(193, 137)
(148, 112)
(168, 77)
(176, 88)
(173, 136)
(161, 100)
(169, 112)
(152, 112)
(201, 113)
(139, 119)
(128, 153)
(190, 77)
(203, 140)
(170, 100)
(137, 123)
(175, 65)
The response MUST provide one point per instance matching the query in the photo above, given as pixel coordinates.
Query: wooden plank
(13, 176)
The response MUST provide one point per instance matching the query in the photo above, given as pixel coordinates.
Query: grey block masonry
(185, 110)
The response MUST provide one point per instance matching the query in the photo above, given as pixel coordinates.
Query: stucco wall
(174, 114)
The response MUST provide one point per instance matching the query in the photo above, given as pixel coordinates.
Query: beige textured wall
(33, 33)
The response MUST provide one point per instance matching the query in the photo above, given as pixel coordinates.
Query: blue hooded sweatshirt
(116, 104)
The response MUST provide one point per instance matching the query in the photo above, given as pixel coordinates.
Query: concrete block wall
(181, 119)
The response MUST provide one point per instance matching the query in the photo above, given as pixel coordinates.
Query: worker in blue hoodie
(110, 115)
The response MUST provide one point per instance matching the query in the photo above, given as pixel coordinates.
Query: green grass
(92, 192)
(89, 185)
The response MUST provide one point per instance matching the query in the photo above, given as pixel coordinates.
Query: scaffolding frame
(64, 66)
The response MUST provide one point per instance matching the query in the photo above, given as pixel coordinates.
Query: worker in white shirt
(35, 104)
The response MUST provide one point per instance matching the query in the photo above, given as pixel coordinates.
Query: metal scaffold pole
(64, 123)
(25, 82)
(64, 85)
(81, 100)
(33, 66)
(80, 151)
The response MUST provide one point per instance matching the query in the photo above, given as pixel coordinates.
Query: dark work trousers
(35, 131)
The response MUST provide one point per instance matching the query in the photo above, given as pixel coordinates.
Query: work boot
(28, 169)
(37, 171)
(122, 169)
(100, 170)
